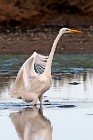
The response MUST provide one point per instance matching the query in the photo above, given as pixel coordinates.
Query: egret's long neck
(49, 61)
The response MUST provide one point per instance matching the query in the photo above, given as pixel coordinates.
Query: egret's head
(67, 30)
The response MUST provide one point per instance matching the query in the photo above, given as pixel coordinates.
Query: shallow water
(67, 110)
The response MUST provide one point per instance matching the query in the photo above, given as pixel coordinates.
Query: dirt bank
(41, 40)
(32, 25)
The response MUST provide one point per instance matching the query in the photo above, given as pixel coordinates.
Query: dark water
(67, 110)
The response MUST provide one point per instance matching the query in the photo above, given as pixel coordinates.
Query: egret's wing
(32, 70)
(19, 87)
(28, 75)
(40, 63)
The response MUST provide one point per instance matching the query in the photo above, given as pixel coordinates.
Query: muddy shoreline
(40, 39)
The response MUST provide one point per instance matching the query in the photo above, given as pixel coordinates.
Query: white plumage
(34, 77)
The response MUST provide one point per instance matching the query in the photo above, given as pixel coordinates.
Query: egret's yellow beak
(74, 31)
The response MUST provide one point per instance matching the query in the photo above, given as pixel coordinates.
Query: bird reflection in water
(30, 124)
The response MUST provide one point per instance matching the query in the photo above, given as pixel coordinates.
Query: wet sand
(40, 39)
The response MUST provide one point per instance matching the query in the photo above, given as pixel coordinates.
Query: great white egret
(34, 77)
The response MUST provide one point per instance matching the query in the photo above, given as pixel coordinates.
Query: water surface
(67, 110)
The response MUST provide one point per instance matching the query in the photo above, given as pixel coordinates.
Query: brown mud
(32, 25)
(41, 39)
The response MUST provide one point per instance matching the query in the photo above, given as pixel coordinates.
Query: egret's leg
(40, 99)
(35, 99)
(41, 109)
